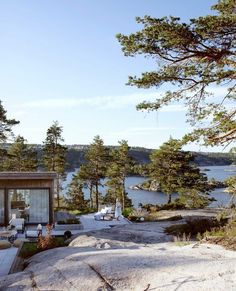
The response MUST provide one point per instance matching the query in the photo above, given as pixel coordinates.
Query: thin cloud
(100, 102)
(133, 131)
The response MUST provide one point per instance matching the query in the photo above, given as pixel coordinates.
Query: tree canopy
(5, 124)
(54, 154)
(21, 157)
(95, 168)
(194, 58)
(118, 169)
(175, 173)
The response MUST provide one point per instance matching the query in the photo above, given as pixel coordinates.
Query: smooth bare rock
(134, 257)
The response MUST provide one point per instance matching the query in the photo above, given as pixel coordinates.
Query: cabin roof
(28, 175)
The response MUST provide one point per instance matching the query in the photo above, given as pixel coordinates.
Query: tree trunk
(123, 194)
(91, 195)
(169, 199)
(58, 192)
(96, 185)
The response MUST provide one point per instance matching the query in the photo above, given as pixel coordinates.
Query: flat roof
(28, 175)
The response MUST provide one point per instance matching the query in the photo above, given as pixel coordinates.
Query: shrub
(84, 211)
(176, 205)
(47, 242)
(194, 226)
(127, 211)
(151, 207)
(69, 221)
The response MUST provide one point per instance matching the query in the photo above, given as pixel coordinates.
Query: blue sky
(60, 60)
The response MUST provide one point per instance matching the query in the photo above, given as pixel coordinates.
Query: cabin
(27, 195)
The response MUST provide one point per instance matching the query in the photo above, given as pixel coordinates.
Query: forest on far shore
(76, 156)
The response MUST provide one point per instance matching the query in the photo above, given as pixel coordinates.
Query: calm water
(219, 173)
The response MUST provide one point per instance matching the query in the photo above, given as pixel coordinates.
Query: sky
(60, 60)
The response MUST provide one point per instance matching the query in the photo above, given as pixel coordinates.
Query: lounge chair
(105, 212)
(18, 223)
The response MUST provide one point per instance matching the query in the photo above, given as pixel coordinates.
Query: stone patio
(7, 257)
(89, 223)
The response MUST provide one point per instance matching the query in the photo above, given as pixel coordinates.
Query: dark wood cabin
(27, 195)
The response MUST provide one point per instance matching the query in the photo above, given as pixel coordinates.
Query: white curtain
(2, 206)
(39, 205)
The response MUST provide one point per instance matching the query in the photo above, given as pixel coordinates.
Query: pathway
(89, 223)
(7, 257)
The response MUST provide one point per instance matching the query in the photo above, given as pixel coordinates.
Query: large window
(30, 204)
(2, 206)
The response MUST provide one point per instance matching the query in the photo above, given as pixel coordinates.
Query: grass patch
(182, 243)
(30, 248)
(225, 236)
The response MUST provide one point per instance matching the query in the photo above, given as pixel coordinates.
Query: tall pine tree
(6, 125)
(95, 168)
(21, 157)
(192, 58)
(117, 171)
(54, 155)
(75, 195)
(175, 172)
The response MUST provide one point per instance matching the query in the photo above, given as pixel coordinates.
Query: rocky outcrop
(216, 184)
(149, 185)
(132, 257)
(153, 185)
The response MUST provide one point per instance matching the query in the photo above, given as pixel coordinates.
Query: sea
(219, 173)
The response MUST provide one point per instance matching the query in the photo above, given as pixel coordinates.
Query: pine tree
(54, 155)
(118, 169)
(5, 132)
(95, 168)
(192, 58)
(87, 180)
(21, 157)
(5, 124)
(75, 195)
(175, 172)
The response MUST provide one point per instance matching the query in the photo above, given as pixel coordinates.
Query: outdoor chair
(105, 212)
(18, 223)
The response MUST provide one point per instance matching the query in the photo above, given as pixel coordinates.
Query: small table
(8, 234)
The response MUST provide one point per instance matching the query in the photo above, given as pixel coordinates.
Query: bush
(69, 221)
(194, 226)
(151, 207)
(84, 211)
(127, 211)
(176, 205)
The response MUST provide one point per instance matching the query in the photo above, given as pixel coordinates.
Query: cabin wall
(6, 184)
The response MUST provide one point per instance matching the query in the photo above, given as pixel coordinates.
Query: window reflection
(30, 204)
(1, 206)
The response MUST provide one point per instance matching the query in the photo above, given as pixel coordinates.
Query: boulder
(18, 242)
(4, 244)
